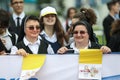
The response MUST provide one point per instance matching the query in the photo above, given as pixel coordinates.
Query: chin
(34, 36)
(79, 39)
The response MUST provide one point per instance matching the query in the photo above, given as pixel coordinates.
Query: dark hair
(68, 11)
(4, 19)
(88, 27)
(58, 29)
(32, 17)
(88, 15)
(115, 27)
(80, 16)
(111, 3)
(11, 1)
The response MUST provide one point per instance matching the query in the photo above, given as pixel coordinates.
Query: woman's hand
(105, 49)
(62, 50)
(22, 52)
(2, 52)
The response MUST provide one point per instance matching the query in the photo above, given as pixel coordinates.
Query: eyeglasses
(32, 27)
(15, 3)
(81, 32)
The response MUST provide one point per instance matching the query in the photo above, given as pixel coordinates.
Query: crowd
(22, 34)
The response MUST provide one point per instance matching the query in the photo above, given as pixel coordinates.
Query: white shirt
(51, 39)
(8, 43)
(33, 46)
(21, 16)
(76, 50)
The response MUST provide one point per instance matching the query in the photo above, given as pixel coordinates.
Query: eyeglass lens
(32, 27)
(81, 32)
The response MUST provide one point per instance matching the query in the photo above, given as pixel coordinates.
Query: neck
(112, 13)
(18, 13)
(81, 45)
(49, 30)
(32, 40)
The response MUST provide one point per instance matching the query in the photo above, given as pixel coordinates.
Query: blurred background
(34, 7)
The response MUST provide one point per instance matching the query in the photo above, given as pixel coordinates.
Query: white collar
(72, 45)
(51, 39)
(89, 45)
(43, 33)
(26, 42)
(22, 15)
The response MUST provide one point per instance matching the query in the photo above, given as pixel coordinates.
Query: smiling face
(32, 29)
(49, 19)
(80, 34)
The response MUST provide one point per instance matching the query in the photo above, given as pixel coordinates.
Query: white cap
(48, 10)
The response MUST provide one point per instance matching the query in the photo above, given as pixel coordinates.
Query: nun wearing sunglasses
(31, 43)
(83, 39)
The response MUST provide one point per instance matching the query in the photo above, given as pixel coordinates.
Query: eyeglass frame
(33, 27)
(81, 32)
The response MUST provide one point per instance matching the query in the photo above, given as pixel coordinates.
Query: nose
(78, 34)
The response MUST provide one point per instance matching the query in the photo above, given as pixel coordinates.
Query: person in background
(91, 18)
(2, 48)
(69, 33)
(82, 32)
(52, 31)
(31, 43)
(70, 13)
(8, 38)
(117, 16)
(113, 7)
(17, 18)
(114, 42)
(88, 15)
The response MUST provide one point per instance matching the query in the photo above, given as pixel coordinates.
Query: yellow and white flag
(31, 64)
(90, 64)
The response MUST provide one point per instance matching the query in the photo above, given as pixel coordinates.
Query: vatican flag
(90, 64)
(31, 64)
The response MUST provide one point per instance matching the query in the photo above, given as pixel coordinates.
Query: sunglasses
(81, 32)
(32, 27)
(15, 3)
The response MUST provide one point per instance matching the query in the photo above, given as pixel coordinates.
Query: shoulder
(20, 44)
(94, 45)
(108, 18)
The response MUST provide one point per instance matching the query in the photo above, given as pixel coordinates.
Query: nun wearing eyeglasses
(31, 43)
(83, 39)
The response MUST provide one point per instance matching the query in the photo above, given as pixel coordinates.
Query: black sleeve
(2, 47)
(114, 43)
(106, 26)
